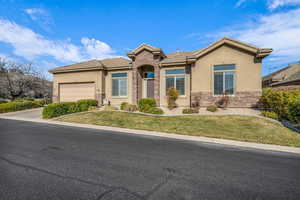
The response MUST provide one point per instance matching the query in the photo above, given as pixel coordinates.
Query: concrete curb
(269, 147)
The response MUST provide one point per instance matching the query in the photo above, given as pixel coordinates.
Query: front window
(119, 84)
(176, 79)
(224, 79)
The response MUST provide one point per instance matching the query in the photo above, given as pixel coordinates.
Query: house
(287, 78)
(201, 76)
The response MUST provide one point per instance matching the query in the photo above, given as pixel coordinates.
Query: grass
(241, 128)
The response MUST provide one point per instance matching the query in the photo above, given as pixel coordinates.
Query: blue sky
(52, 33)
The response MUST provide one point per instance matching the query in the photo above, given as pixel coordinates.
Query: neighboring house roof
(288, 74)
(109, 63)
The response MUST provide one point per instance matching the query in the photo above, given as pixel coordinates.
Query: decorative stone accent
(240, 100)
(145, 58)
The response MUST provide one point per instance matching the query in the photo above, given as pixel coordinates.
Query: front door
(149, 88)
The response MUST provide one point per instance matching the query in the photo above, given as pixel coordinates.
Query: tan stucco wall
(116, 101)
(182, 101)
(77, 77)
(248, 73)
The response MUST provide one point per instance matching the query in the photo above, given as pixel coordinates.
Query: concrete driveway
(24, 114)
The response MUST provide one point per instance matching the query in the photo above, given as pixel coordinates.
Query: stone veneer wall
(142, 59)
(287, 87)
(240, 100)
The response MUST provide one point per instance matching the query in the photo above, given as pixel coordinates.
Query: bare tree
(21, 80)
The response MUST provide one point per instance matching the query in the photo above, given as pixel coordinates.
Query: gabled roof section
(258, 52)
(82, 66)
(105, 64)
(148, 47)
(116, 63)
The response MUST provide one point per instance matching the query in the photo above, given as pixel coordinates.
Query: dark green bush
(270, 114)
(16, 106)
(146, 103)
(190, 110)
(212, 108)
(84, 104)
(284, 103)
(58, 109)
(123, 105)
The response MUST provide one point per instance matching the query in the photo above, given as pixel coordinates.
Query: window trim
(223, 71)
(118, 78)
(182, 75)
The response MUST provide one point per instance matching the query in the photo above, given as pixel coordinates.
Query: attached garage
(76, 91)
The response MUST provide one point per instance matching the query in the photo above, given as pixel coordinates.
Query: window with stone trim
(224, 79)
(119, 84)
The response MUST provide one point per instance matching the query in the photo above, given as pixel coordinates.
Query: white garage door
(76, 91)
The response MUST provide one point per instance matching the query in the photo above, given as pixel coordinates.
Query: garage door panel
(76, 91)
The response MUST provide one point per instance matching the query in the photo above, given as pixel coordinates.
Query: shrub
(270, 114)
(58, 109)
(146, 103)
(172, 95)
(84, 104)
(63, 108)
(155, 110)
(284, 103)
(123, 105)
(223, 102)
(44, 101)
(212, 108)
(294, 112)
(190, 110)
(16, 106)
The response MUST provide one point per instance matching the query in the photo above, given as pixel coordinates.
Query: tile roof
(291, 72)
(94, 65)
(179, 56)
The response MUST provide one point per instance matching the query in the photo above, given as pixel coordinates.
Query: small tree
(224, 101)
(22, 80)
(172, 95)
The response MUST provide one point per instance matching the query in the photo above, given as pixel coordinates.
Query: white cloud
(35, 12)
(30, 45)
(96, 49)
(273, 4)
(279, 31)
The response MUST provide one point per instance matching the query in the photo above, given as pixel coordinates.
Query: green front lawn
(242, 128)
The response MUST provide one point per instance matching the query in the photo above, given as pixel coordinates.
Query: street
(44, 161)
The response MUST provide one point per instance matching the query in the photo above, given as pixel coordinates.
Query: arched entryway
(147, 81)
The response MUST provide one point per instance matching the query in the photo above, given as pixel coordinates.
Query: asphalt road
(43, 161)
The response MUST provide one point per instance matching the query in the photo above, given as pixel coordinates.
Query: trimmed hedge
(63, 108)
(286, 104)
(18, 105)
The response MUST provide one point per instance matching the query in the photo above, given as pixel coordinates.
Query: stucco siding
(116, 101)
(248, 73)
(182, 101)
(78, 77)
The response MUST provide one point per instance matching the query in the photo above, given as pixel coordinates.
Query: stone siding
(240, 100)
